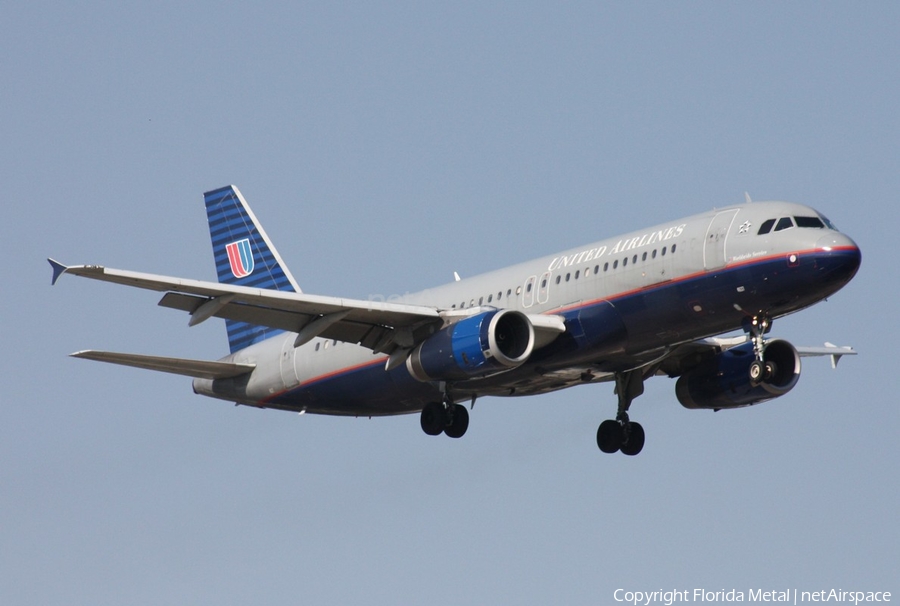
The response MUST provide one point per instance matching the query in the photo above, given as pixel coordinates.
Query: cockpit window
(827, 222)
(766, 227)
(814, 222)
(784, 223)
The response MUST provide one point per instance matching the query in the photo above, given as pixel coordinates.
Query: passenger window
(606, 266)
(766, 227)
(596, 269)
(673, 247)
(544, 283)
(568, 276)
(634, 259)
(490, 297)
(472, 303)
(576, 274)
(480, 300)
(664, 251)
(615, 263)
(644, 257)
(784, 223)
(518, 290)
(654, 254)
(814, 222)
(624, 261)
(509, 292)
(558, 278)
(317, 346)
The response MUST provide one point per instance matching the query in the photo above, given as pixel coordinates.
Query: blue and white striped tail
(244, 256)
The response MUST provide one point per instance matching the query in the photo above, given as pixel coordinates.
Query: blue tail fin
(244, 256)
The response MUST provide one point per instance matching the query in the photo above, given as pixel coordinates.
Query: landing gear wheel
(621, 433)
(757, 372)
(634, 442)
(459, 421)
(609, 436)
(771, 370)
(433, 418)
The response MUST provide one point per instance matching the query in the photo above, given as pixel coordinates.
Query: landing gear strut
(761, 370)
(621, 433)
(445, 417)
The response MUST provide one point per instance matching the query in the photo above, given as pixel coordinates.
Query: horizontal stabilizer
(201, 369)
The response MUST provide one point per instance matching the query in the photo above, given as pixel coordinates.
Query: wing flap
(262, 316)
(367, 334)
(203, 369)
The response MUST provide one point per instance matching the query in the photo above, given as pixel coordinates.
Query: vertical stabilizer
(244, 256)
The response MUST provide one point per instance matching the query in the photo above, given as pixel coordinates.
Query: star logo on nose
(745, 228)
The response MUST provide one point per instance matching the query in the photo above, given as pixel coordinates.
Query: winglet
(58, 270)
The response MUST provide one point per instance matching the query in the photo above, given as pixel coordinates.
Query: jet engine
(476, 346)
(724, 381)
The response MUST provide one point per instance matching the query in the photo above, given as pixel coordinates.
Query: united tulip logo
(240, 257)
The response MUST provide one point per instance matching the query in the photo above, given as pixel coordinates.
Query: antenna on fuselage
(456, 276)
(747, 198)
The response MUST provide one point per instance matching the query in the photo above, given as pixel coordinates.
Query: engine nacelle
(476, 346)
(724, 381)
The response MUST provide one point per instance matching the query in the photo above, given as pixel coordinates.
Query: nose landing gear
(761, 370)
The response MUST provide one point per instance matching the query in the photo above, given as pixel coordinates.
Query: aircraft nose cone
(843, 254)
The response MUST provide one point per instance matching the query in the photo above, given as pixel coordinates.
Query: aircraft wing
(689, 354)
(380, 326)
(829, 349)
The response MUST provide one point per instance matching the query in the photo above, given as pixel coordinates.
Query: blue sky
(385, 146)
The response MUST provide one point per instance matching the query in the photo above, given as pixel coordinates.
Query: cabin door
(288, 374)
(714, 250)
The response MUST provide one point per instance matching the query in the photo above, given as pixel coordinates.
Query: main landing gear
(445, 417)
(761, 370)
(622, 434)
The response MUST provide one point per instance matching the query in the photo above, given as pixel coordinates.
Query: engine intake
(476, 346)
(724, 381)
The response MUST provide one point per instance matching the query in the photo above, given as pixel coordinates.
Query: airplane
(657, 301)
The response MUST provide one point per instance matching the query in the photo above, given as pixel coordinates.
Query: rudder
(244, 256)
